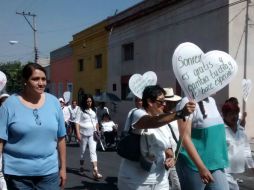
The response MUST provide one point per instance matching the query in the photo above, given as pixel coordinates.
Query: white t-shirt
(107, 126)
(127, 122)
(159, 141)
(73, 113)
(66, 113)
(239, 152)
(211, 110)
(87, 121)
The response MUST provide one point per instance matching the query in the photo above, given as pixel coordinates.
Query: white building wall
(155, 37)
(237, 17)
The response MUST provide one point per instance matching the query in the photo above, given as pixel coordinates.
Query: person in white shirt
(138, 105)
(65, 110)
(66, 115)
(73, 110)
(86, 125)
(150, 118)
(239, 152)
(100, 110)
(171, 102)
(109, 129)
(242, 116)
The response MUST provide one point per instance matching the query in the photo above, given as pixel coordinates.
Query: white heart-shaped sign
(137, 82)
(246, 87)
(201, 75)
(3, 80)
(67, 96)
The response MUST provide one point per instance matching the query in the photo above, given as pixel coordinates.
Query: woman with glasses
(86, 124)
(32, 135)
(153, 121)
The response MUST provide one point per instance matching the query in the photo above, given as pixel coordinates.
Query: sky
(56, 22)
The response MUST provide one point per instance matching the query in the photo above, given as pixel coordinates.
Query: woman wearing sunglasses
(32, 135)
(153, 121)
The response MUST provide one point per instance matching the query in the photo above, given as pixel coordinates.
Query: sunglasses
(37, 118)
(161, 102)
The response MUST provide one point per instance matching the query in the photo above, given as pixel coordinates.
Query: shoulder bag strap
(131, 118)
(173, 134)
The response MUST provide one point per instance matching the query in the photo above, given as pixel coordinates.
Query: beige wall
(237, 48)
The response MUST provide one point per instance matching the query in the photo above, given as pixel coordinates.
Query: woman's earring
(25, 83)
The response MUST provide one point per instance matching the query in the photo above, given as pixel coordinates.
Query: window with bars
(128, 51)
(81, 64)
(98, 61)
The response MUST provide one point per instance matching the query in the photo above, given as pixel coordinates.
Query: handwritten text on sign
(199, 74)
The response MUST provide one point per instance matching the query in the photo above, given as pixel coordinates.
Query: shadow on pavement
(72, 144)
(75, 171)
(111, 184)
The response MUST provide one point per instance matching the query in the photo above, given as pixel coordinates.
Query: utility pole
(246, 47)
(34, 30)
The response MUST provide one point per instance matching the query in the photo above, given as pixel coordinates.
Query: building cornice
(138, 11)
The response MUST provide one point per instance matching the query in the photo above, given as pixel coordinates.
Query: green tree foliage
(12, 70)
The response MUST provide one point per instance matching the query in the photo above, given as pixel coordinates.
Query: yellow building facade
(90, 60)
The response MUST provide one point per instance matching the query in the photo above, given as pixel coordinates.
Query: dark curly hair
(230, 107)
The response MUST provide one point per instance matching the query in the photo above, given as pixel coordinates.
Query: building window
(81, 64)
(98, 61)
(60, 89)
(114, 87)
(97, 92)
(81, 94)
(128, 51)
(125, 90)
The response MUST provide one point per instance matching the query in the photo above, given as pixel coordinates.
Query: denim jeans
(47, 182)
(190, 179)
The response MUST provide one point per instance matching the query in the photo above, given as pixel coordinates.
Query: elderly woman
(32, 135)
(239, 151)
(152, 119)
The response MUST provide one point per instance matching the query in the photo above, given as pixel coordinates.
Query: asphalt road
(108, 163)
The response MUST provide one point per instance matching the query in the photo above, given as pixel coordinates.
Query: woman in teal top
(203, 157)
(32, 136)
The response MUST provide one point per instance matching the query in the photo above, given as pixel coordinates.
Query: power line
(237, 15)
(239, 44)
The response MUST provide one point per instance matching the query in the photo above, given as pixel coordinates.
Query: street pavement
(108, 163)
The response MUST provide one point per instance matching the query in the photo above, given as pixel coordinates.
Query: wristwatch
(180, 115)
